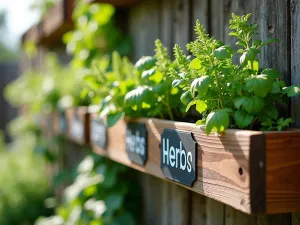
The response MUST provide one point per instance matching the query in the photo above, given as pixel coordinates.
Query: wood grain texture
(199, 12)
(179, 204)
(234, 217)
(295, 57)
(56, 22)
(225, 164)
(282, 162)
(144, 27)
(215, 212)
(84, 117)
(117, 3)
(198, 209)
(166, 26)
(219, 159)
(181, 23)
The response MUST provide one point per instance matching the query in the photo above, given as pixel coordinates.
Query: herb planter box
(78, 125)
(117, 3)
(57, 22)
(249, 170)
(51, 28)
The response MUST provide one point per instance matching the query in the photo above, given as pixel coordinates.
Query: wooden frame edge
(257, 164)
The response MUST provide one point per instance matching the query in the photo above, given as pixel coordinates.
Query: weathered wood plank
(200, 12)
(182, 24)
(166, 27)
(295, 57)
(295, 218)
(180, 205)
(144, 27)
(166, 217)
(295, 71)
(215, 212)
(216, 20)
(283, 159)
(198, 209)
(234, 217)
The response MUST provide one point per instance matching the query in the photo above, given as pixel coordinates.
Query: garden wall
(172, 21)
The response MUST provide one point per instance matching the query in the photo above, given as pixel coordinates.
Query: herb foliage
(229, 95)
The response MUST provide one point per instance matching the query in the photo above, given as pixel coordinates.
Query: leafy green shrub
(230, 95)
(103, 193)
(154, 96)
(24, 186)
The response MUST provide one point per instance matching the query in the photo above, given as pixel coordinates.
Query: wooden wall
(8, 72)
(172, 21)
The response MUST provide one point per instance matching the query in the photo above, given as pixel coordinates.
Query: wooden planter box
(51, 28)
(78, 125)
(117, 3)
(255, 172)
(57, 22)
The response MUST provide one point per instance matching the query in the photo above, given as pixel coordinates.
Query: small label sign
(98, 133)
(179, 156)
(136, 143)
(77, 129)
(62, 122)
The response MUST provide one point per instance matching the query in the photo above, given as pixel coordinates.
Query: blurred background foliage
(99, 191)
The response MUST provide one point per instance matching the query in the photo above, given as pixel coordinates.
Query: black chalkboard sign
(62, 122)
(77, 128)
(179, 156)
(136, 143)
(98, 133)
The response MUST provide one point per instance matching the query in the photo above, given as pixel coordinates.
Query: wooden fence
(172, 21)
(8, 72)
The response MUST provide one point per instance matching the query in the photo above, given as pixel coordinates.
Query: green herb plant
(97, 197)
(154, 96)
(110, 85)
(229, 95)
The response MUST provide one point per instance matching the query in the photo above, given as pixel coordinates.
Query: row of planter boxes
(255, 172)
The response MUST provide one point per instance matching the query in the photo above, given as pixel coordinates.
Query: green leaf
(195, 64)
(186, 97)
(113, 118)
(113, 202)
(292, 91)
(217, 121)
(145, 63)
(252, 105)
(272, 73)
(243, 119)
(271, 111)
(199, 122)
(190, 104)
(201, 85)
(277, 86)
(223, 52)
(259, 84)
(269, 41)
(176, 82)
(255, 66)
(201, 106)
(161, 89)
(249, 55)
(148, 73)
(139, 95)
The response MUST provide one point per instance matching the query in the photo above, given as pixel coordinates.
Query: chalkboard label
(136, 143)
(98, 133)
(62, 122)
(77, 128)
(179, 156)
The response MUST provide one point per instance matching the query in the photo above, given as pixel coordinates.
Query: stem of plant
(218, 85)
